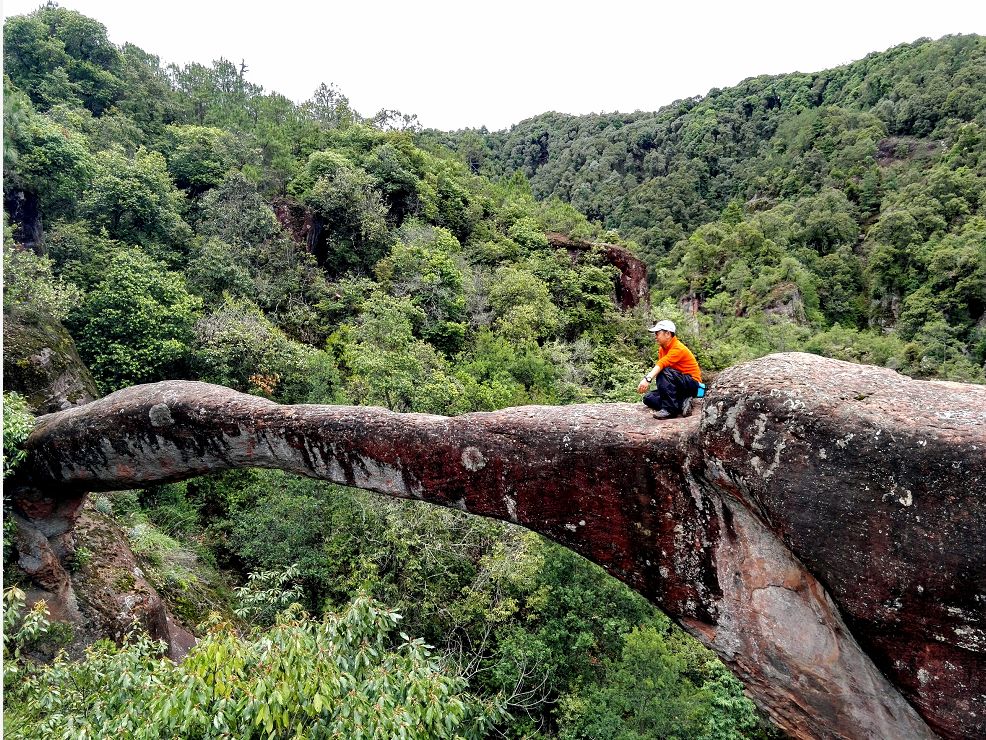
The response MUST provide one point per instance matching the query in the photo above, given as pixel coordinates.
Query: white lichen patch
(731, 422)
(970, 638)
(472, 459)
(760, 424)
(907, 499)
(794, 404)
(767, 472)
(160, 415)
(511, 504)
(842, 443)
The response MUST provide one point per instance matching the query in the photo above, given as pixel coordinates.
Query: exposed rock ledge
(630, 285)
(822, 527)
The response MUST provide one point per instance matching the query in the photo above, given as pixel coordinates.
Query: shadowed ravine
(821, 526)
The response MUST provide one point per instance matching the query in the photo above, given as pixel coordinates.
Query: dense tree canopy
(856, 173)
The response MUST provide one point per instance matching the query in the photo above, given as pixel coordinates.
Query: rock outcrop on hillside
(41, 362)
(821, 526)
(105, 598)
(630, 284)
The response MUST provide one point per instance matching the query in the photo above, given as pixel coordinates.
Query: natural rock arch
(822, 527)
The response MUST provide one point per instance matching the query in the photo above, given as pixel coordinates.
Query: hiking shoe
(686, 407)
(662, 414)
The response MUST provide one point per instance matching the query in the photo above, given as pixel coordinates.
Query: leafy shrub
(135, 201)
(648, 693)
(267, 594)
(237, 346)
(136, 325)
(17, 424)
(20, 629)
(390, 367)
(103, 505)
(125, 504)
(31, 290)
(342, 676)
(80, 559)
(149, 542)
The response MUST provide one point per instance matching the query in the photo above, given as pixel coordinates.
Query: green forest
(183, 222)
(839, 212)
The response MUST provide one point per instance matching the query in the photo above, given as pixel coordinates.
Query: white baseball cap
(664, 325)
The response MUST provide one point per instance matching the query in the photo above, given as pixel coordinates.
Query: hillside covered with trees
(839, 212)
(185, 223)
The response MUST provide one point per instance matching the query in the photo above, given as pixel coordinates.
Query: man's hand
(644, 385)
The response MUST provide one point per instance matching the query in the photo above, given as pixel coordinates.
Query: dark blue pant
(673, 388)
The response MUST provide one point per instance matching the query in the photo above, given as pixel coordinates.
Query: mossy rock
(190, 587)
(41, 362)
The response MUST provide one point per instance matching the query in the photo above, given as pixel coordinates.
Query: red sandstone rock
(876, 484)
(113, 593)
(630, 285)
(822, 527)
(41, 362)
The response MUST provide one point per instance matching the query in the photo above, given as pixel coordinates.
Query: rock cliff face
(821, 526)
(112, 594)
(630, 285)
(24, 208)
(105, 598)
(877, 485)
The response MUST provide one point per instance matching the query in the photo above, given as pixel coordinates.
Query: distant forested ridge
(183, 222)
(845, 200)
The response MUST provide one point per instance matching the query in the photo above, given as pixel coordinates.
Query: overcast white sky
(462, 64)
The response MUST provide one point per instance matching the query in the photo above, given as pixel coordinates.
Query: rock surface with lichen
(105, 597)
(821, 525)
(41, 362)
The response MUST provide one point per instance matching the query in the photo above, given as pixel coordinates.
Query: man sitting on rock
(677, 373)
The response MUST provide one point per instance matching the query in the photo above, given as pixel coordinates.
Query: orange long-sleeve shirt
(678, 357)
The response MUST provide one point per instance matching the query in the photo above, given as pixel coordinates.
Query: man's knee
(670, 379)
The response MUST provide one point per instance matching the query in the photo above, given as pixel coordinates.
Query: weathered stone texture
(877, 483)
(41, 362)
(821, 526)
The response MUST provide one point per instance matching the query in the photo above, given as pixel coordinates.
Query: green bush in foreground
(339, 677)
(17, 424)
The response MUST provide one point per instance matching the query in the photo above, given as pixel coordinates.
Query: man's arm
(648, 377)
